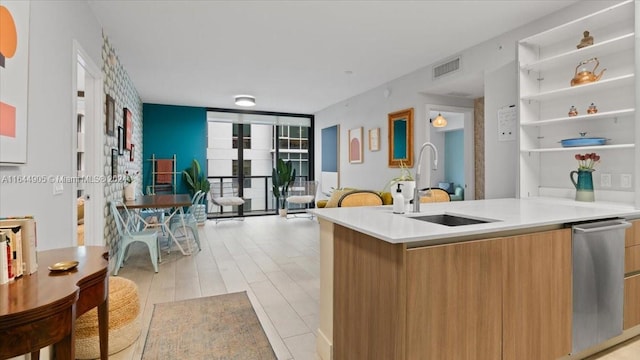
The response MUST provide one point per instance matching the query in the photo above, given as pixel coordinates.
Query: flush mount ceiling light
(245, 100)
(439, 121)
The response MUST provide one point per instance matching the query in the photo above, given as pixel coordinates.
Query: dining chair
(302, 193)
(190, 220)
(434, 195)
(129, 233)
(225, 193)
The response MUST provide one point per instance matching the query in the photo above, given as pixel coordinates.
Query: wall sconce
(439, 121)
(245, 100)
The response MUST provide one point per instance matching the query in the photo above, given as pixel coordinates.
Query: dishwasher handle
(602, 226)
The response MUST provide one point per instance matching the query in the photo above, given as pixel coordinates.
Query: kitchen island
(395, 287)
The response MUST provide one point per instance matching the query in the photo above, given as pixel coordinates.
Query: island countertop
(504, 215)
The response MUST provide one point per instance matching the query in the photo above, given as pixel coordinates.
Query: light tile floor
(275, 260)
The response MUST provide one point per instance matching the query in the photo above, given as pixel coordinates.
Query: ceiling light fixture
(439, 121)
(245, 100)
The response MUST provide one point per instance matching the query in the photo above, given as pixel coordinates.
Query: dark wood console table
(40, 309)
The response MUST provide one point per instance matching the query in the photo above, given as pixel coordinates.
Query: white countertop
(510, 214)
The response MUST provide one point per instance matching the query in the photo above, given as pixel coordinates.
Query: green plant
(282, 177)
(195, 179)
(405, 175)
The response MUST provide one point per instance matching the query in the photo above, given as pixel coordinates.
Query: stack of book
(18, 243)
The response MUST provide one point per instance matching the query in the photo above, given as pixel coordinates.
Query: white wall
(370, 109)
(53, 26)
(500, 157)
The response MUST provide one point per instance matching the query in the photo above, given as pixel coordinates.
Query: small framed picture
(374, 139)
(120, 140)
(111, 115)
(114, 163)
(131, 152)
(355, 146)
(128, 128)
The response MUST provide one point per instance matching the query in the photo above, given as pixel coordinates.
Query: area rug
(216, 327)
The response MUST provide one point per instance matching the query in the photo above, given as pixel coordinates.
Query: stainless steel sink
(450, 220)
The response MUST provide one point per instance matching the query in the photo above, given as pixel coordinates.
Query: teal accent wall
(179, 130)
(454, 156)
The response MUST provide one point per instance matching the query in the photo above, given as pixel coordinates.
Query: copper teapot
(585, 76)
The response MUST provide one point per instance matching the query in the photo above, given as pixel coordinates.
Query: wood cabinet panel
(632, 234)
(537, 296)
(369, 297)
(454, 301)
(631, 302)
(632, 259)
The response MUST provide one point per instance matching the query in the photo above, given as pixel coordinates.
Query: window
(246, 135)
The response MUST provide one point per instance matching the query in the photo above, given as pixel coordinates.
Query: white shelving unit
(547, 62)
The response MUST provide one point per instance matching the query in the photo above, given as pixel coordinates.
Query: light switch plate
(625, 180)
(605, 180)
(57, 188)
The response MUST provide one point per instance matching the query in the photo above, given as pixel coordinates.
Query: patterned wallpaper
(119, 86)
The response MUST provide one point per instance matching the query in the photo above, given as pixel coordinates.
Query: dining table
(174, 202)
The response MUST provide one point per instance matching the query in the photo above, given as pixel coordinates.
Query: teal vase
(583, 184)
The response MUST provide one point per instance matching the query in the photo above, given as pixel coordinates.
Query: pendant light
(439, 121)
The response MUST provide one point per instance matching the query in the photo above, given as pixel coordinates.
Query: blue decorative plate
(584, 141)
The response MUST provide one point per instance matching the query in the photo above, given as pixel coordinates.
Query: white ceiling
(293, 56)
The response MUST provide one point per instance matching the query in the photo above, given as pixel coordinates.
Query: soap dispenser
(398, 201)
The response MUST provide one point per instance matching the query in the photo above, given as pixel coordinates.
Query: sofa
(458, 194)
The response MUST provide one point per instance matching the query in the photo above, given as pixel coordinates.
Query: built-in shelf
(574, 57)
(581, 148)
(621, 12)
(580, 118)
(600, 85)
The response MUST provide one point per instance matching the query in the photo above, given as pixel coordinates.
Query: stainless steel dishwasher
(598, 282)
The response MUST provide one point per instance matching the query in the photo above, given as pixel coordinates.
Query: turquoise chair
(189, 217)
(128, 235)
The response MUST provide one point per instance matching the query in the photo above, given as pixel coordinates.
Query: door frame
(469, 161)
(94, 145)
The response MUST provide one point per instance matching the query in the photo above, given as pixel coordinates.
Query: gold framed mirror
(401, 138)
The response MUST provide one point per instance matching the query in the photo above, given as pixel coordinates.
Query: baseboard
(324, 347)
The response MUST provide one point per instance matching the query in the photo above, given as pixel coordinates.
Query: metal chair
(189, 218)
(303, 193)
(127, 230)
(225, 193)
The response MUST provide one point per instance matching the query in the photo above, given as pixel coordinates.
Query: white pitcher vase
(130, 191)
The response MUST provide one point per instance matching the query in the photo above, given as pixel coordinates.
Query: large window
(255, 141)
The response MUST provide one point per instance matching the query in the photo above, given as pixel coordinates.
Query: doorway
(456, 139)
(87, 162)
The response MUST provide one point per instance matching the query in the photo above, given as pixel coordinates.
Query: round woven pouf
(124, 321)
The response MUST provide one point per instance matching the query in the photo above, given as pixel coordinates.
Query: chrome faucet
(416, 191)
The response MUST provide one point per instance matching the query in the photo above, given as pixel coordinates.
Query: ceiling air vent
(446, 68)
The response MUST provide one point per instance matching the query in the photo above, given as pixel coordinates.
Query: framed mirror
(401, 138)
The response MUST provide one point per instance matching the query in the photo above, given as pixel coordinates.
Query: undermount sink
(450, 220)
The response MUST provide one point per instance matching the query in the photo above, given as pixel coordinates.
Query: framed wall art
(14, 63)
(401, 138)
(111, 115)
(356, 147)
(131, 152)
(128, 128)
(374, 139)
(120, 140)
(330, 170)
(114, 163)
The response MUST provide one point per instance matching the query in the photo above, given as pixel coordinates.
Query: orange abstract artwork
(8, 35)
(8, 46)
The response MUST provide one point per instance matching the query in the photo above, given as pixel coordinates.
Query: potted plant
(196, 181)
(130, 186)
(282, 177)
(406, 179)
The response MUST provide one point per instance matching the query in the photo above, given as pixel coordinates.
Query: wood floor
(275, 260)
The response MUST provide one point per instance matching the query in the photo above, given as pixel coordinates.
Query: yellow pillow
(335, 197)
